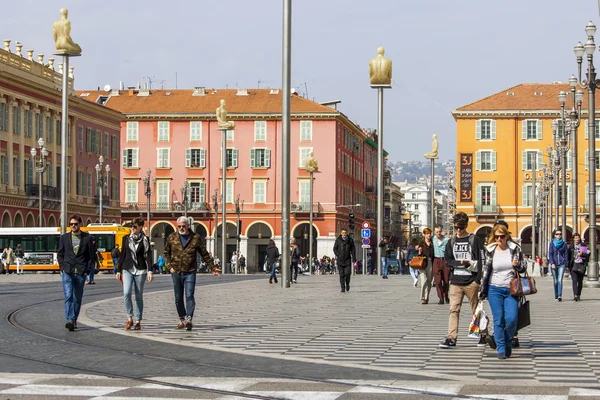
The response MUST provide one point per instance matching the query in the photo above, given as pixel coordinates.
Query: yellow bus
(40, 245)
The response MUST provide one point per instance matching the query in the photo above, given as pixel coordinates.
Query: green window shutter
(235, 158)
(252, 158)
(478, 195)
(124, 158)
(202, 188)
(524, 202)
(268, 158)
(524, 161)
(202, 158)
(493, 161)
(478, 161)
(188, 158)
(493, 129)
(524, 129)
(478, 130)
(586, 160)
(587, 135)
(539, 160)
(493, 202)
(538, 131)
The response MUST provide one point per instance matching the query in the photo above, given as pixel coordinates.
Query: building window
(163, 158)
(130, 158)
(232, 158)
(163, 131)
(3, 117)
(587, 194)
(529, 157)
(230, 134)
(132, 131)
(486, 160)
(106, 147)
(195, 158)
(131, 191)
(587, 161)
(162, 194)
(115, 146)
(531, 129)
(88, 140)
(569, 195)
(4, 171)
(304, 152)
(260, 131)
(596, 128)
(197, 194)
(80, 138)
(260, 158)
(16, 120)
(94, 142)
(486, 198)
(195, 131)
(230, 190)
(305, 131)
(260, 192)
(485, 129)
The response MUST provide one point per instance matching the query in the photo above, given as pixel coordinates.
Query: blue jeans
(557, 277)
(184, 283)
(136, 282)
(115, 263)
(384, 266)
(92, 269)
(73, 290)
(413, 272)
(505, 310)
(273, 274)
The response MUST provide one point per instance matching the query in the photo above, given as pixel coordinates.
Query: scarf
(134, 243)
(558, 243)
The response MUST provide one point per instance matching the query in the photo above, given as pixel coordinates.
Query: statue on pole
(434, 148)
(311, 164)
(380, 69)
(222, 117)
(61, 30)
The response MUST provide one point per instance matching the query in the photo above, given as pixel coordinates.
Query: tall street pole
(63, 144)
(285, 142)
(592, 277)
(42, 165)
(224, 201)
(310, 234)
(432, 193)
(379, 176)
(533, 176)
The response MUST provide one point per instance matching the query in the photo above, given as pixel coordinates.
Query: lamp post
(562, 140)
(239, 231)
(185, 193)
(148, 183)
(590, 84)
(102, 182)
(41, 166)
(570, 125)
(215, 199)
(311, 167)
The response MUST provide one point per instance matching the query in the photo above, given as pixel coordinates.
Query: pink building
(174, 134)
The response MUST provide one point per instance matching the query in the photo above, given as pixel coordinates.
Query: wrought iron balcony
(481, 209)
(370, 189)
(48, 192)
(164, 206)
(304, 207)
(105, 201)
(369, 214)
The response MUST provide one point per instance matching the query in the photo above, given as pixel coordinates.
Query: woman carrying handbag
(578, 253)
(425, 249)
(503, 263)
(558, 253)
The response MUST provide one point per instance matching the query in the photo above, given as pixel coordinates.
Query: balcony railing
(369, 215)
(370, 189)
(48, 192)
(105, 201)
(163, 206)
(486, 209)
(304, 207)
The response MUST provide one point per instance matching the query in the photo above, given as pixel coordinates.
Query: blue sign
(366, 241)
(366, 233)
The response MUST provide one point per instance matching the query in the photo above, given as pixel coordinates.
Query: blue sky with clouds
(445, 53)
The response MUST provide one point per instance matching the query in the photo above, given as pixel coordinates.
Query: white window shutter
(493, 202)
(524, 129)
(538, 130)
(158, 160)
(268, 158)
(493, 128)
(235, 158)
(478, 161)
(524, 195)
(524, 160)
(202, 158)
(586, 160)
(168, 158)
(124, 152)
(252, 158)
(202, 188)
(478, 195)
(587, 134)
(478, 130)
(188, 157)
(569, 160)
(539, 160)
(135, 158)
(493, 160)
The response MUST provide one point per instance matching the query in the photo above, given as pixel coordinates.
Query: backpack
(473, 264)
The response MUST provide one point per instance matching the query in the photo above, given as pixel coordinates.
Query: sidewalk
(379, 324)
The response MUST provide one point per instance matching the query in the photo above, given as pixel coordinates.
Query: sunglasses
(182, 226)
(74, 223)
(500, 236)
(460, 227)
(135, 226)
(558, 234)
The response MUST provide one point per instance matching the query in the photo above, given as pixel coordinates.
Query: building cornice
(509, 113)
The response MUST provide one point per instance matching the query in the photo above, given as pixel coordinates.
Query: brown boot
(129, 324)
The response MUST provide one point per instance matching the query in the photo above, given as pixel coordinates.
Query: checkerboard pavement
(379, 324)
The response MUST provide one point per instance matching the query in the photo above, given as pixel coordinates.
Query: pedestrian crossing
(93, 387)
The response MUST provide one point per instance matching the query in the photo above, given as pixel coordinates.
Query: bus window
(52, 244)
(106, 242)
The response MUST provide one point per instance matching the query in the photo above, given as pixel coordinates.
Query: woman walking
(502, 258)
(426, 275)
(272, 256)
(578, 253)
(133, 271)
(411, 251)
(558, 253)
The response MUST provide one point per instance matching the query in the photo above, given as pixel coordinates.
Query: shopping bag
(475, 327)
(524, 315)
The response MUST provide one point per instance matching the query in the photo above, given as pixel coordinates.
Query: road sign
(365, 233)
(366, 241)
(366, 246)
(366, 225)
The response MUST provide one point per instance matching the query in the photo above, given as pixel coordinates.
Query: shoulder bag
(524, 314)
(522, 285)
(418, 262)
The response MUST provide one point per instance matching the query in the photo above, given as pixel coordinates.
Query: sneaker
(75, 325)
(188, 324)
(559, 298)
(482, 341)
(343, 290)
(347, 288)
(181, 324)
(295, 281)
(515, 343)
(501, 356)
(70, 326)
(415, 283)
(441, 302)
(448, 344)
(489, 339)
(576, 298)
(508, 351)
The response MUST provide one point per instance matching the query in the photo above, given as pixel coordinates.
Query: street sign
(366, 246)
(366, 242)
(365, 233)
(366, 225)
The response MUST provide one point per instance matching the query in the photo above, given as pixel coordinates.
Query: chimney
(199, 91)
(144, 91)
(121, 85)
(130, 90)
(242, 92)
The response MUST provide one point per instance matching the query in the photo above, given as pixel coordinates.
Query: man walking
(75, 254)
(19, 256)
(464, 256)
(441, 271)
(8, 258)
(386, 252)
(181, 252)
(344, 254)
(115, 254)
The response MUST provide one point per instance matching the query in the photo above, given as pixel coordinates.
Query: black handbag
(524, 316)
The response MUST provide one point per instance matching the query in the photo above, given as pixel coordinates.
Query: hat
(503, 223)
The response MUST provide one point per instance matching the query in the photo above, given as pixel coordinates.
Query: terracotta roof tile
(181, 101)
(526, 96)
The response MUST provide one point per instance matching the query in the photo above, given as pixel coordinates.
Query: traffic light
(351, 222)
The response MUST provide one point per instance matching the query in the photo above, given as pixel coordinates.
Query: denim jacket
(558, 256)
(488, 268)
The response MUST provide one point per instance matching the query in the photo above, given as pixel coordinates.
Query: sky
(445, 53)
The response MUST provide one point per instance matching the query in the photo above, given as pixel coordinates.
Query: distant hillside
(420, 171)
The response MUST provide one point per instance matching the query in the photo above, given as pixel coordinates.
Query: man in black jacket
(75, 253)
(344, 254)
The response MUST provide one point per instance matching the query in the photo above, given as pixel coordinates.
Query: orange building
(498, 139)
(174, 134)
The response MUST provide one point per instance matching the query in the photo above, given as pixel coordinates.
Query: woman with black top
(272, 256)
(578, 254)
(133, 271)
(426, 275)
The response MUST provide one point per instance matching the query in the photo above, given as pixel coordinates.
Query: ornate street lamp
(41, 165)
(185, 190)
(102, 182)
(148, 183)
